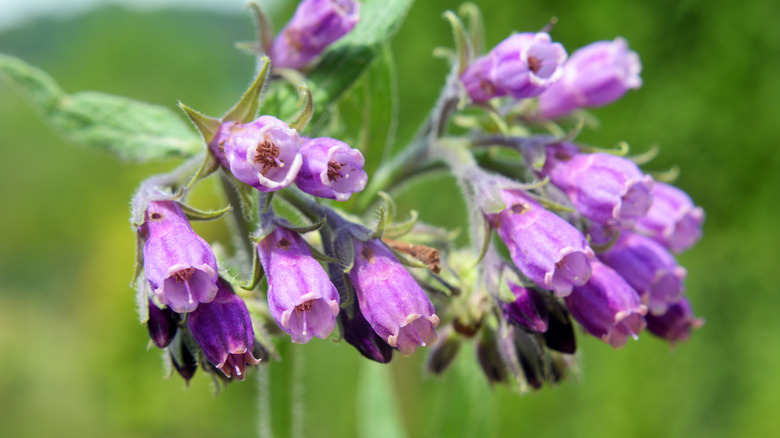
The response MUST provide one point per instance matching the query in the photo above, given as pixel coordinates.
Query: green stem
(239, 221)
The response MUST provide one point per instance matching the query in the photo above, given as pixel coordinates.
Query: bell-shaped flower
(301, 297)
(607, 306)
(264, 154)
(527, 311)
(331, 169)
(179, 264)
(477, 79)
(673, 219)
(526, 64)
(595, 75)
(676, 324)
(223, 329)
(390, 299)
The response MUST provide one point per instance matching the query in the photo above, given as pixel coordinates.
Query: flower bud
(676, 324)
(391, 301)
(607, 306)
(315, 25)
(672, 220)
(179, 264)
(224, 331)
(162, 325)
(358, 332)
(477, 80)
(489, 358)
(443, 352)
(595, 75)
(301, 297)
(526, 64)
(331, 169)
(560, 330)
(183, 358)
(527, 311)
(264, 154)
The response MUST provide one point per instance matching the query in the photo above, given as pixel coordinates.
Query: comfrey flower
(595, 75)
(649, 268)
(315, 25)
(672, 220)
(547, 249)
(331, 169)
(301, 297)
(607, 306)
(477, 81)
(676, 324)
(224, 331)
(390, 300)
(264, 154)
(358, 332)
(527, 311)
(179, 264)
(604, 188)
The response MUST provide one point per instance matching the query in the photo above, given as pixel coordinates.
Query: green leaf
(129, 129)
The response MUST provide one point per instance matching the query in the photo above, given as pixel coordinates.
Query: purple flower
(477, 80)
(391, 301)
(224, 331)
(607, 306)
(527, 311)
(331, 169)
(606, 189)
(672, 220)
(547, 249)
(595, 75)
(264, 154)
(315, 25)
(179, 264)
(526, 64)
(676, 324)
(649, 268)
(162, 325)
(301, 297)
(358, 332)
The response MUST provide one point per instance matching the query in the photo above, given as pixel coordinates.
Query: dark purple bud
(560, 331)
(527, 311)
(315, 25)
(443, 352)
(358, 332)
(649, 268)
(595, 75)
(676, 324)
(604, 188)
(179, 264)
(489, 358)
(607, 306)
(526, 64)
(547, 249)
(390, 300)
(162, 324)
(224, 331)
(301, 297)
(672, 220)
(183, 358)
(531, 356)
(264, 154)
(331, 169)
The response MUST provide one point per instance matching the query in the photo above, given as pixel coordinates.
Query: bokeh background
(73, 358)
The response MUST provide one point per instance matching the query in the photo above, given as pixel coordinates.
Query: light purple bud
(649, 268)
(676, 324)
(527, 311)
(224, 331)
(526, 64)
(162, 325)
(390, 300)
(179, 264)
(547, 249)
(301, 297)
(477, 80)
(672, 220)
(331, 169)
(264, 154)
(607, 306)
(315, 25)
(604, 188)
(595, 75)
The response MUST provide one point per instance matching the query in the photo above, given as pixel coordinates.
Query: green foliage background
(73, 360)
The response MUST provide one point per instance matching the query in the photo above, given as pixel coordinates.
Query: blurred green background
(73, 358)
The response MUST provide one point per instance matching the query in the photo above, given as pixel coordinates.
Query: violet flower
(607, 306)
(672, 220)
(315, 25)
(223, 329)
(331, 169)
(391, 301)
(676, 324)
(595, 75)
(301, 297)
(179, 264)
(477, 81)
(526, 64)
(264, 154)
(527, 311)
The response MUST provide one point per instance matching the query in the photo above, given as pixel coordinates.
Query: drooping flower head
(264, 154)
(179, 264)
(595, 75)
(673, 219)
(390, 299)
(331, 169)
(676, 324)
(301, 297)
(223, 329)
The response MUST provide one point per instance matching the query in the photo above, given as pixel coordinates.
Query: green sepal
(486, 239)
(265, 28)
(195, 214)
(206, 168)
(257, 273)
(550, 205)
(667, 176)
(268, 198)
(476, 25)
(301, 229)
(574, 133)
(621, 151)
(245, 109)
(139, 260)
(407, 260)
(207, 126)
(647, 156)
(605, 247)
(399, 229)
(345, 251)
(306, 111)
(320, 256)
(462, 41)
(380, 225)
(249, 206)
(389, 205)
